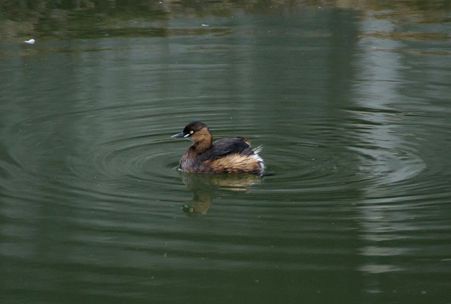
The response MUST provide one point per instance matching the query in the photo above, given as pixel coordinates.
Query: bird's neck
(202, 145)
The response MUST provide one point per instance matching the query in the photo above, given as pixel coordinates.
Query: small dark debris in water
(187, 208)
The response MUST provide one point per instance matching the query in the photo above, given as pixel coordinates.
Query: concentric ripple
(132, 144)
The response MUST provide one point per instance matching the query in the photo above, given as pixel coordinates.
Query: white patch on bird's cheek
(189, 134)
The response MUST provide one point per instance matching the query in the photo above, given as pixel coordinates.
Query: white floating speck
(204, 25)
(30, 41)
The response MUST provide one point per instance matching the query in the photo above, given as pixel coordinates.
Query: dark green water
(350, 102)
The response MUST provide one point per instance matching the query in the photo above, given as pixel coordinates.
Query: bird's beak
(178, 135)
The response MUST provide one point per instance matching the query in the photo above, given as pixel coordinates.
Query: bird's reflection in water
(204, 187)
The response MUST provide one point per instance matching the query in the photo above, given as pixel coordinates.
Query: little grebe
(227, 155)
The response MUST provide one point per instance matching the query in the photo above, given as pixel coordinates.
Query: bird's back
(226, 146)
(232, 155)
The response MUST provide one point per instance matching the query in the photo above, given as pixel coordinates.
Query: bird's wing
(225, 146)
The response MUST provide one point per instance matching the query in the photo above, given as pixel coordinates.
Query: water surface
(350, 102)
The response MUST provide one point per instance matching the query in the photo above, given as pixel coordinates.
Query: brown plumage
(228, 155)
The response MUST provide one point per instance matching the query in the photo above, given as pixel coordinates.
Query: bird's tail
(258, 149)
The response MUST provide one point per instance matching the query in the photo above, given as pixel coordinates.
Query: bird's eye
(191, 132)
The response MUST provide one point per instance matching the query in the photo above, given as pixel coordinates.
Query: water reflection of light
(378, 268)
(381, 143)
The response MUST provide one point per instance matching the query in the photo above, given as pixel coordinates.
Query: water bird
(226, 155)
(30, 41)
